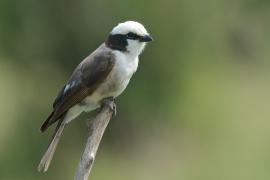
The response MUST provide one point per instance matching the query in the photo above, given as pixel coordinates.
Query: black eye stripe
(117, 41)
(132, 36)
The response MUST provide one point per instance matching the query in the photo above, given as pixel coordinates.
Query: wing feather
(89, 74)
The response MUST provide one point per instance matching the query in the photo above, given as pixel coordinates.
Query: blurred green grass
(198, 107)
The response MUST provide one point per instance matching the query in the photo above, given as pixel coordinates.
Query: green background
(197, 108)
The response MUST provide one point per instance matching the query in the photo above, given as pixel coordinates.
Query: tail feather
(47, 157)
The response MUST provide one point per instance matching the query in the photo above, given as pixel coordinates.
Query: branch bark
(96, 128)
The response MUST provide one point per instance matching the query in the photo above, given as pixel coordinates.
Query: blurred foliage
(197, 108)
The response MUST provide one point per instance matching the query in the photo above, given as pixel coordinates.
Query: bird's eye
(132, 36)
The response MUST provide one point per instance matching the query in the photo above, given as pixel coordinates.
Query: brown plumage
(92, 71)
(88, 75)
(105, 73)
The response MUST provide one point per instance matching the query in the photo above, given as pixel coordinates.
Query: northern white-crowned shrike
(103, 74)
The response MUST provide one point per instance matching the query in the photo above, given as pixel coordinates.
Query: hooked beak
(146, 38)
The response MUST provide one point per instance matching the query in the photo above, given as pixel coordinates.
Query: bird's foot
(109, 102)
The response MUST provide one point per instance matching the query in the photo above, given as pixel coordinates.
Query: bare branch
(96, 128)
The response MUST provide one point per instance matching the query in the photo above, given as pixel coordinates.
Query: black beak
(146, 38)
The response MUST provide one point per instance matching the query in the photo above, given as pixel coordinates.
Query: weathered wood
(96, 128)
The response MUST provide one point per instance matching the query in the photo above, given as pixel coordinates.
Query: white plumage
(117, 81)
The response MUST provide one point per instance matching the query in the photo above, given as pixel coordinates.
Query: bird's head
(129, 37)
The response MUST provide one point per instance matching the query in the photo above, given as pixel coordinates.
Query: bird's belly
(115, 83)
(113, 86)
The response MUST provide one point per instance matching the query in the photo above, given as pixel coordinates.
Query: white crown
(129, 26)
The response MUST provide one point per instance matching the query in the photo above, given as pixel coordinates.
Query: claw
(109, 102)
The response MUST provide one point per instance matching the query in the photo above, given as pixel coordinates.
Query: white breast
(125, 66)
(118, 79)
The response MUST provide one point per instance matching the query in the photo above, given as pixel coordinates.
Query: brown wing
(89, 74)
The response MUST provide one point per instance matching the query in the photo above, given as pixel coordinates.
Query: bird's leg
(109, 101)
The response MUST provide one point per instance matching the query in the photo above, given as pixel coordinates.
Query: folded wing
(89, 74)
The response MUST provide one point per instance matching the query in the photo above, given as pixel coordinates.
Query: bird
(104, 74)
